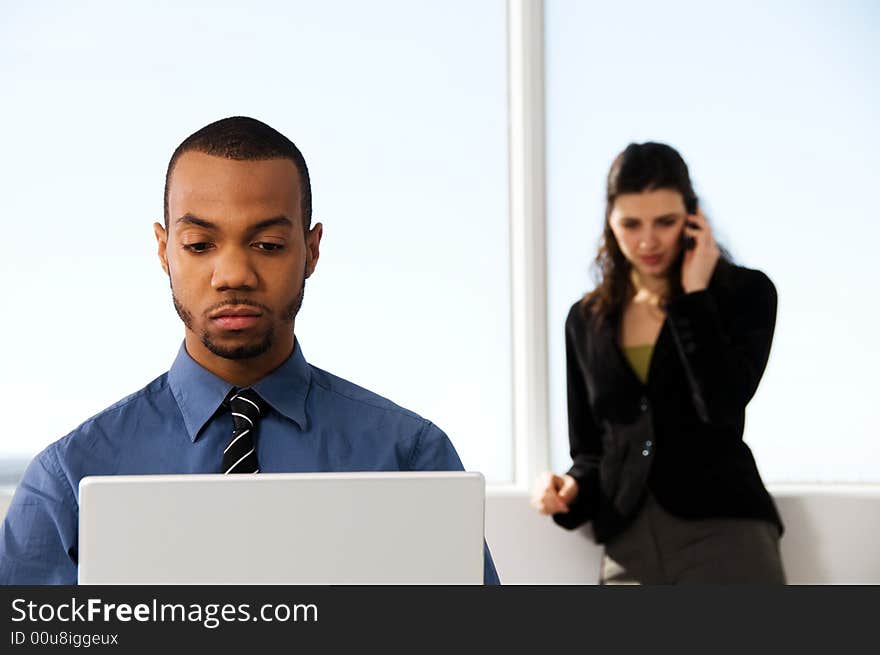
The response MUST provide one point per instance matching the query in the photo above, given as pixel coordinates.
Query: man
(237, 244)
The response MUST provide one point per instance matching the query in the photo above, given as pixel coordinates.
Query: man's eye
(199, 246)
(268, 246)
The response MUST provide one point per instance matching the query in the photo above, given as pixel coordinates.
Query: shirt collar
(199, 393)
(287, 387)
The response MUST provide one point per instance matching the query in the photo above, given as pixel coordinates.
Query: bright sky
(400, 109)
(774, 106)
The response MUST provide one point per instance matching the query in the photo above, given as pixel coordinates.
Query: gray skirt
(659, 548)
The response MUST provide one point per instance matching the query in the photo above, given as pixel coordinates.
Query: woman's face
(648, 227)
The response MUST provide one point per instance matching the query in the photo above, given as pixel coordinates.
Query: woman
(662, 358)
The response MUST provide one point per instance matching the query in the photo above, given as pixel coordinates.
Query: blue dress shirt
(317, 422)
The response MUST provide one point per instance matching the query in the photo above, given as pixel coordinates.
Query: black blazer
(680, 434)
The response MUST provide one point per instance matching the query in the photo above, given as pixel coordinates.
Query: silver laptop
(282, 528)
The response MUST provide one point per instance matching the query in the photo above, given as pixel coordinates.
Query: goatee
(243, 351)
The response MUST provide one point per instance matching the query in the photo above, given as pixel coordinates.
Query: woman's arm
(724, 360)
(583, 433)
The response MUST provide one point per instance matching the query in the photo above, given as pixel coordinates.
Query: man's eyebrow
(190, 219)
(282, 221)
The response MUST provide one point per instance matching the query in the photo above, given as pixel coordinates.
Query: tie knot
(246, 406)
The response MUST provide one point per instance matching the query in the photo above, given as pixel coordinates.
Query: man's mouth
(236, 317)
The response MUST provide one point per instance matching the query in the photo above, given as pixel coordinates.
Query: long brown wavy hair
(640, 167)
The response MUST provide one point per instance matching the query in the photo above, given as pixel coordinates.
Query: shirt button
(648, 443)
(646, 452)
(643, 405)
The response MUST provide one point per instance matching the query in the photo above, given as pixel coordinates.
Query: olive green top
(639, 358)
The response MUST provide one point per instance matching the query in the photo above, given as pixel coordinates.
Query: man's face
(236, 254)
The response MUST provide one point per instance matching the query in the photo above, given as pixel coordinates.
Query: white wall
(830, 538)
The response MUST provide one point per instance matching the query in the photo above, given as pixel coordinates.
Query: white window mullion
(527, 238)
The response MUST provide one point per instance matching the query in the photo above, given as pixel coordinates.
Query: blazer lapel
(662, 349)
(612, 354)
(616, 367)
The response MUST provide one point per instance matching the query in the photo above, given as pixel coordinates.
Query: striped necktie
(240, 455)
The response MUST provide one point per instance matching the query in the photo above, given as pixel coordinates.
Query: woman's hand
(699, 261)
(552, 494)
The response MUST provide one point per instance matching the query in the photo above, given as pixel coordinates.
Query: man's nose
(233, 270)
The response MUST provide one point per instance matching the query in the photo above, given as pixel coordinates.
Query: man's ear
(313, 247)
(162, 242)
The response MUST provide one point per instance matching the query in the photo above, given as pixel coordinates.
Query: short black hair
(245, 139)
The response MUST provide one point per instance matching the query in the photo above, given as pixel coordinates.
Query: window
(400, 110)
(773, 106)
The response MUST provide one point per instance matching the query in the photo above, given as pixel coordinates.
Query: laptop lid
(282, 528)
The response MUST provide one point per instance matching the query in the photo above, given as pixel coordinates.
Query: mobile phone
(690, 205)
